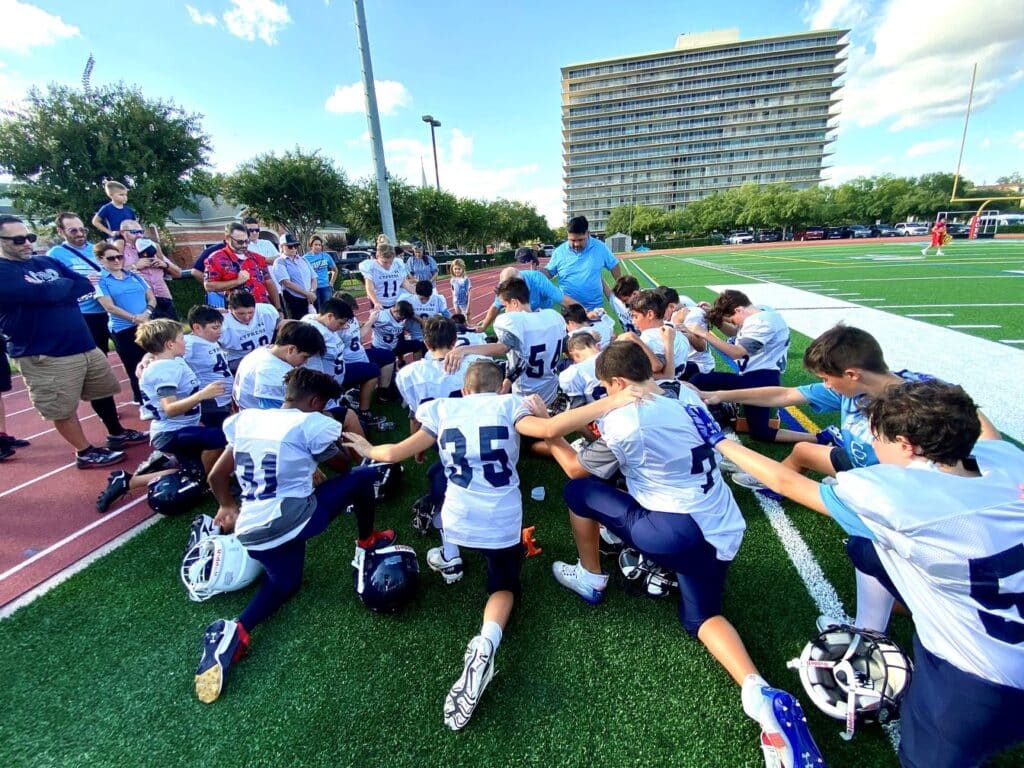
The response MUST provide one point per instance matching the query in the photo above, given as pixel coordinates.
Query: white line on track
(27, 483)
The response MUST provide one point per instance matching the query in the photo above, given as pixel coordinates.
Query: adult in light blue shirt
(325, 268)
(76, 253)
(421, 266)
(577, 263)
(543, 294)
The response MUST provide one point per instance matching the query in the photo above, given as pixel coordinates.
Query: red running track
(48, 519)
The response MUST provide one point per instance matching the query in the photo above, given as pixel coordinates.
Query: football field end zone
(983, 367)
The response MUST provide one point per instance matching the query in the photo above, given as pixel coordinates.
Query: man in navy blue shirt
(577, 263)
(53, 346)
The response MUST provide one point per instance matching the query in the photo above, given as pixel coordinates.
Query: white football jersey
(535, 343)
(669, 468)
(479, 447)
(696, 318)
(769, 329)
(165, 378)
(207, 360)
(352, 343)
(238, 340)
(680, 349)
(426, 379)
(605, 326)
(470, 338)
(435, 305)
(625, 319)
(332, 361)
(387, 331)
(954, 548)
(260, 376)
(386, 282)
(580, 383)
(275, 456)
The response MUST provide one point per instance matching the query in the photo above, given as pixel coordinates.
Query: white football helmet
(855, 675)
(217, 564)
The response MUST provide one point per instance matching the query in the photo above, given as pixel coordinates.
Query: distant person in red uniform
(938, 233)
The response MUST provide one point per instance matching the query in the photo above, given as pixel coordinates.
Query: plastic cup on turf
(537, 494)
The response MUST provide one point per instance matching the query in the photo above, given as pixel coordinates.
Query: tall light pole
(429, 120)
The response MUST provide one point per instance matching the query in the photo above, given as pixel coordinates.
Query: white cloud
(986, 143)
(27, 26)
(830, 14)
(251, 19)
(198, 17)
(350, 99)
(908, 69)
(923, 148)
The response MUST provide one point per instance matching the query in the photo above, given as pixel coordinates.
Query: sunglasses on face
(20, 239)
(239, 243)
(114, 258)
(256, 230)
(290, 245)
(135, 231)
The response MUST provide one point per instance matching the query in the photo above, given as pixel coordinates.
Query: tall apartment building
(666, 128)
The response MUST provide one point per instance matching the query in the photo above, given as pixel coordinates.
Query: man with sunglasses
(76, 252)
(257, 244)
(233, 267)
(143, 256)
(52, 344)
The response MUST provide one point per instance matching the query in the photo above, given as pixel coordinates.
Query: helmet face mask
(217, 564)
(642, 576)
(386, 579)
(176, 494)
(388, 478)
(855, 675)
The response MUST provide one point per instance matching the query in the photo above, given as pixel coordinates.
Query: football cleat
(126, 438)
(609, 543)
(177, 493)
(6, 452)
(830, 436)
(224, 642)
(477, 671)
(157, 461)
(746, 480)
(567, 574)
(93, 457)
(376, 540)
(450, 570)
(784, 730)
(117, 486)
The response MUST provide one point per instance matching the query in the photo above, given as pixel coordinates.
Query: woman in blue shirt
(129, 301)
(325, 268)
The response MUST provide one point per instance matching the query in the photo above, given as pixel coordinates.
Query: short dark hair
(515, 288)
(303, 336)
(314, 239)
(938, 418)
(650, 300)
(625, 360)
(7, 218)
(203, 315)
(459, 319)
(727, 303)
(578, 225)
(671, 294)
(340, 309)
(305, 382)
(483, 376)
(405, 311)
(581, 340)
(439, 332)
(348, 298)
(241, 300)
(424, 289)
(64, 216)
(575, 313)
(234, 226)
(625, 286)
(842, 347)
(250, 220)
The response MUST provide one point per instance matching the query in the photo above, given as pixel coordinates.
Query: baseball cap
(145, 247)
(287, 239)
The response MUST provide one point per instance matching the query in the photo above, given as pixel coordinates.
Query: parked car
(912, 228)
(548, 249)
(958, 231)
(859, 230)
(738, 238)
(809, 233)
(883, 230)
(768, 235)
(348, 262)
(837, 233)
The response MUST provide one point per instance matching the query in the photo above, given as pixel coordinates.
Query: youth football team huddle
(916, 476)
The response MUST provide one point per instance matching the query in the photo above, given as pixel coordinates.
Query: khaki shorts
(57, 384)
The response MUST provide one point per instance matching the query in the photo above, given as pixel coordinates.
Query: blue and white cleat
(477, 671)
(830, 436)
(784, 731)
(568, 576)
(221, 646)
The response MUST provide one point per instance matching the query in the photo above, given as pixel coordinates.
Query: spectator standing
(421, 266)
(129, 302)
(76, 253)
(53, 346)
(324, 267)
(578, 262)
(144, 256)
(233, 267)
(461, 287)
(295, 275)
(111, 215)
(257, 244)
(7, 442)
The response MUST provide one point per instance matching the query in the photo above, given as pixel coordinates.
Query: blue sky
(273, 74)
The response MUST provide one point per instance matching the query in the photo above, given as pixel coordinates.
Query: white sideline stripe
(65, 574)
(908, 343)
(874, 298)
(929, 314)
(71, 537)
(852, 293)
(641, 271)
(1011, 341)
(974, 326)
(27, 483)
(937, 306)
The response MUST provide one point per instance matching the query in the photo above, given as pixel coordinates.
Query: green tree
(642, 221)
(516, 222)
(471, 227)
(64, 143)
(363, 210)
(435, 216)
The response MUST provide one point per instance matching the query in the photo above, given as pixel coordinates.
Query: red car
(810, 233)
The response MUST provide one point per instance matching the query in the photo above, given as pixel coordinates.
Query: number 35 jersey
(954, 548)
(479, 447)
(276, 452)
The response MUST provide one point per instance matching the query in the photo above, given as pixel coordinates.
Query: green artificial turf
(98, 672)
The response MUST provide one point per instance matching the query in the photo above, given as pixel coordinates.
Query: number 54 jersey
(535, 343)
(276, 452)
(479, 447)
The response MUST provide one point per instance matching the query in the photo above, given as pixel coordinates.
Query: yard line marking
(937, 306)
(1011, 341)
(974, 326)
(875, 298)
(710, 265)
(27, 483)
(851, 293)
(929, 314)
(641, 271)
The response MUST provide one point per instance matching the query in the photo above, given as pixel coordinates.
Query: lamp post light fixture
(429, 119)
